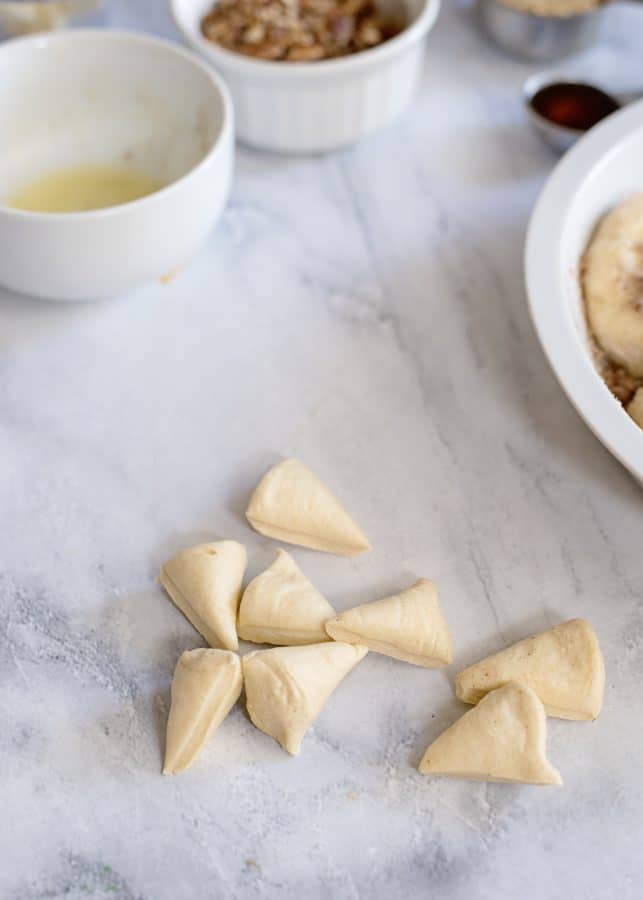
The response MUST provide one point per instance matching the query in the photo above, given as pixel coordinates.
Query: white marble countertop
(365, 312)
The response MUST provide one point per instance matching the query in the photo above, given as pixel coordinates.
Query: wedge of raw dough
(502, 739)
(205, 687)
(408, 626)
(287, 687)
(280, 606)
(205, 583)
(563, 665)
(291, 504)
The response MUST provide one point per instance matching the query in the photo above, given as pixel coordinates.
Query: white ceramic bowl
(317, 106)
(81, 98)
(604, 167)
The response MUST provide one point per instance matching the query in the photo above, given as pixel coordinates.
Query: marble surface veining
(365, 312)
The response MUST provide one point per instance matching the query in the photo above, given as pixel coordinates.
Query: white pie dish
(604, 168)
(79, 98)
(316, 106)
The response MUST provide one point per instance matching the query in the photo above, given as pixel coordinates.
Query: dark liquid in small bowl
(578, 106)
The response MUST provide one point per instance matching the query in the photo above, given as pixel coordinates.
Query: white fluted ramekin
(316, 106)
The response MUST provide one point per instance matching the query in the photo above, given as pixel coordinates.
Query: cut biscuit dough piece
(205, 583)
(287, 687)
(563, 665)
(205, 687)
(280, 606)
(501, 739)
(407, 626)
(291, 504)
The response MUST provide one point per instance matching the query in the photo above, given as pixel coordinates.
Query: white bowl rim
(281, 69)
(133, 37)
(573, 366)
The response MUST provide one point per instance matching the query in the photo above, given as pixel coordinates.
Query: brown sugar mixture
(618, 380)
(298, 30)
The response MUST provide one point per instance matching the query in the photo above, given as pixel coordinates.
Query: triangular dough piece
(287, 687)
(205, 687)
(291, 504)
(280, 606)
(502, 739)
(563, 665)
(205, 583)
(407, 626)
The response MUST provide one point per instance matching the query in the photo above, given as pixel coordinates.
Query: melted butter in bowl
(91, 121)
(83, 188)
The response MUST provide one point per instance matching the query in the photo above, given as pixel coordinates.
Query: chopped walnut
(298, 30)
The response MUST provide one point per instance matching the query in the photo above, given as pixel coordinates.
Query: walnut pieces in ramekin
(298, 30)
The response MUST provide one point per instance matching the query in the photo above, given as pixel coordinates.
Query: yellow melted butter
(84, 188)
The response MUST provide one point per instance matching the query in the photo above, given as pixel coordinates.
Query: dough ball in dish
(281, 606)
(563, 665)
(408, 626)
(291, 504)
(287, 687)
(205, 583)
(205, 687)
(612, 276)
(503, 738)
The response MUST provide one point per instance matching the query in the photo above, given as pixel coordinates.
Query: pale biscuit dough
(281, 606)
(612, 276)
(205, 583)
(408, 626)
(503, 738)
(205, 687)
(563, 665)
(287, 687)
(291, 504)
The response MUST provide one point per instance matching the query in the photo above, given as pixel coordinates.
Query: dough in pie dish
(205, 687)
(407, 626)
(291, 504)
(503, 738)
(287, 687)
(612, 283)
(612, 276)
(205, 583)
(281, 606)
(563, 665)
